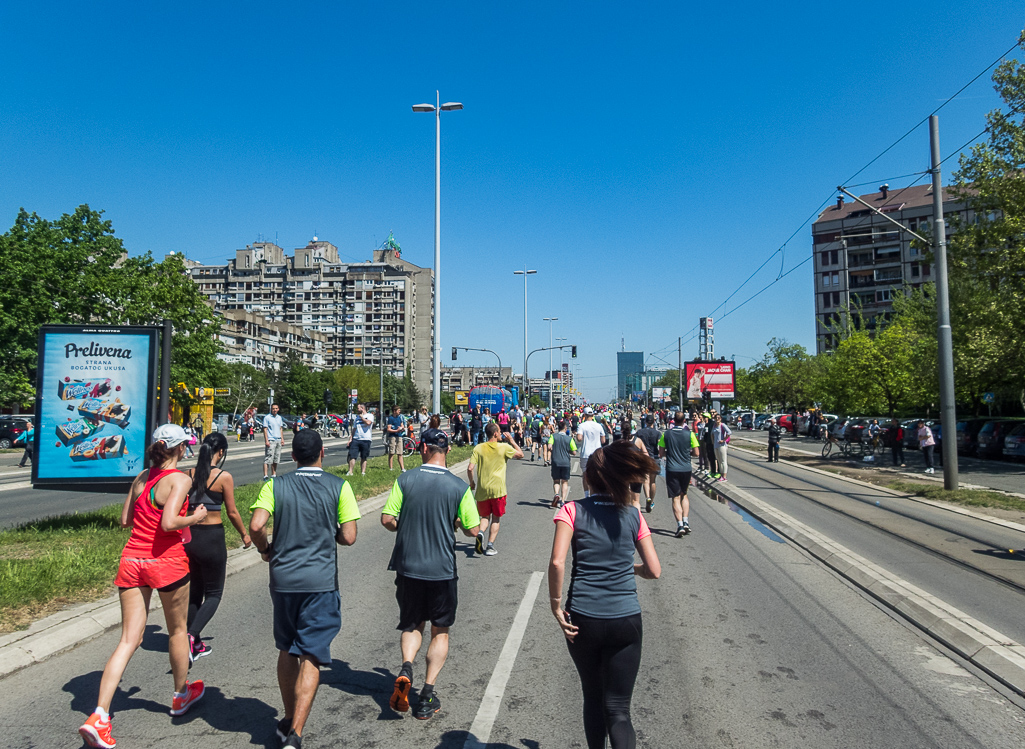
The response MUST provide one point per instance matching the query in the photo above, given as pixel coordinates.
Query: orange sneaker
(194, 691)
(400, 695)
(96, 732)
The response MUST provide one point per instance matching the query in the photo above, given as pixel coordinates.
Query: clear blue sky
(643, 159)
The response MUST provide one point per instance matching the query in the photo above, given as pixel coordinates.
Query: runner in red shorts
(486, 474)
(153, 558)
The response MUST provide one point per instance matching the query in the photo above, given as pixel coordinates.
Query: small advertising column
(96, 392)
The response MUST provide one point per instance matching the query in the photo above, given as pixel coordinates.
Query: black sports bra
(210, 499)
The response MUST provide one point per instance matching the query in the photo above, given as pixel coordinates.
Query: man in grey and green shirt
(563, 447)
(677, 445)
(424, 508)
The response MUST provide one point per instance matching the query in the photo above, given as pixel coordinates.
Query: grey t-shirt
(427, 500)
(273, 424)
(562, 445)
(679, 443)
(649, 436)
(308, 506)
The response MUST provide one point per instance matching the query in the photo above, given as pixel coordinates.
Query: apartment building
(861, 257)
(253, 339)
(368, 311)
(464, 378)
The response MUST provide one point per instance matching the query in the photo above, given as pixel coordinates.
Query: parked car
(968, 435)
(1014, 443)
(747, 420)
(11, 427)
(762, 421)
(991, 437)
(856, 427)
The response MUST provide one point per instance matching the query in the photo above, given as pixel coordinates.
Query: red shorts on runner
(494, 507)
(151, 573)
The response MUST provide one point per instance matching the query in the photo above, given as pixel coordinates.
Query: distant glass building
(630, 368)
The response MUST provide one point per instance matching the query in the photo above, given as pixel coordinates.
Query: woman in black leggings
(602, 617)
(207, 551)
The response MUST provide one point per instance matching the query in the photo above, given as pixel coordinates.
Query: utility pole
(679, 365)
(948, 416)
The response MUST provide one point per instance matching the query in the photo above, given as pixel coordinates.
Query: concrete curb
(893, 493)
(69, 628)
(995, 653)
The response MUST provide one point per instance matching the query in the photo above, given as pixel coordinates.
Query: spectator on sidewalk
(27, 438)
(927, 444)
(775, 434)
(895, 436)
(359, 444)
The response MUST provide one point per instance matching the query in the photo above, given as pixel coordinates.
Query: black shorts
(677, 482)
(505, 428)
(359, 449)
(560, 473)
(425, 600)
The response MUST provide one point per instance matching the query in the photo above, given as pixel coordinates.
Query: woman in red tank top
(154, 557)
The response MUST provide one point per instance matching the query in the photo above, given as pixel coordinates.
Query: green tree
(296, 387)
(249, 387)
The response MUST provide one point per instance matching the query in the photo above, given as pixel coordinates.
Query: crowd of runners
(177, 547)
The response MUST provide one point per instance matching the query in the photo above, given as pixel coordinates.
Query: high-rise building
(862, 260)
(366, 311)
(629, 364)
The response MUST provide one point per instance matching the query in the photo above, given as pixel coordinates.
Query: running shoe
(650, 503)
(198, 649)
(686, 528)
(490, 551)
(96, 732)
(427, 706)
(479, 546)
(294, 741)
(556, 502)
(400, 694)
(194, 692)
(680, 532)
(721, 478)
(284, 728)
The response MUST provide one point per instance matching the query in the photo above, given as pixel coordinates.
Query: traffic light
(327, 397)
(454, 349)
(573, 352)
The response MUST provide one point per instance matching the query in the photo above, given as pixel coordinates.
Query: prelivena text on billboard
(95, 393)
(716, 378)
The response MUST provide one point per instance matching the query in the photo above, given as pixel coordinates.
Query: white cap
(588, 411)
(171, 435)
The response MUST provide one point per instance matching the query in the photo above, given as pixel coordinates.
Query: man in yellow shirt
(486, 474)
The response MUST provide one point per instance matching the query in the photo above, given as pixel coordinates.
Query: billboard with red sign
(716, 378)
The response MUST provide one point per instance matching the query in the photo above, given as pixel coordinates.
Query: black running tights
(208, 558)
(607, 654)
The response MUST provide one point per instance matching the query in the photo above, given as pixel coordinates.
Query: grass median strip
(52, 563)
(966, 497)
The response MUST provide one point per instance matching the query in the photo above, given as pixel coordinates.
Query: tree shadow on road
(376, 684)
(457, 740)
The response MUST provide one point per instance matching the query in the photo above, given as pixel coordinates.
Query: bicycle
(843, 446)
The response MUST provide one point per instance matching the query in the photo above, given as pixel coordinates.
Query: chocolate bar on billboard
(70, 390)
(72, 432)
(101, 448)
(99, 410)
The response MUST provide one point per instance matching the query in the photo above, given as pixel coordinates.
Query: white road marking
(480, 731)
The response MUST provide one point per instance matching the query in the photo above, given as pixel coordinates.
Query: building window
(915, 270)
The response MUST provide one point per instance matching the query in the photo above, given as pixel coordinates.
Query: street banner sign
(96, 390)
(462, 397)
(717, 379)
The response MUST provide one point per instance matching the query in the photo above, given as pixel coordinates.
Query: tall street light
(524, 273)
(551, 322)
(562, 380)
(437, 108)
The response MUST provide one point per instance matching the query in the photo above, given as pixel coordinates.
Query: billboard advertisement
(95, 401)
(661, 393)
(716, 378)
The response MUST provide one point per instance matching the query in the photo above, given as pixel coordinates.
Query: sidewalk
(973, 473)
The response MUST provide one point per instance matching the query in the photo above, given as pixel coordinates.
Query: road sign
(222, 392)
(354, 392)
(989, 398)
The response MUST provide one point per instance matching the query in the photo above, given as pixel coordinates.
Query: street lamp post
(437, 108)
(562, 380)
(551, 322)
(524, 273)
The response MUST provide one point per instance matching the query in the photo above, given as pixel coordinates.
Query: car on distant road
(11, 427)
(762, 421)
(1014, 443)
(991, 437)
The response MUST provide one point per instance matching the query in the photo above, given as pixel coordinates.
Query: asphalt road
(952, 556)
(748, 643)
(20, 503)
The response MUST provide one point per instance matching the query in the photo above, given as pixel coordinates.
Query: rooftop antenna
(622, 343)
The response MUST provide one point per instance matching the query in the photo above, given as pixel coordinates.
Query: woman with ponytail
(602, 616)
(208, 551)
